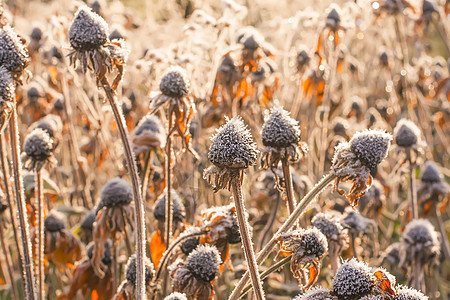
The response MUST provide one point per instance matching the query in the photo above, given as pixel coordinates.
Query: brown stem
(245, 235)
(30, 288)
(352, 241)
(139, 205)
(40, 234)
(445, 245)
(288, 224)
(288, 183)
(8, 263)
(115, 267)
(169, 204)
(145, 174)
(412, 187)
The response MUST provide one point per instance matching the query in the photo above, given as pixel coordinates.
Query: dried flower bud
(7, 86)
(329, 225)
(352, 280)
(370, 146)
(430, 173)
(279, 129)
(233, 146)
(174, 83)
(313, 242)
(178, 211)
(302, 59)
(204, 263)
(88, 31)
(149, 133)
(420, 241)
(131, 270)
(333, 19)
(116, 192)
(13, 53)
(406, 133)
(316, 293)
(107, 257)
(38, 145)
(406, 293)
(55, 222)
(176, 296)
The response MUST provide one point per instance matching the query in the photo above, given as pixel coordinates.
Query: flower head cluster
(149, 134)
(38, 149)
(352, 280)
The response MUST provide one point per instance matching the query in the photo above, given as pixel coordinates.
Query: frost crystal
(116, 192)
(88, 30)
(316, 293)
(370, 146)
(279, 129)
(7, 86)
(174, 83)
(406, 133)
(352, 280)
(204, 263)
(131, 270)
(406, 293)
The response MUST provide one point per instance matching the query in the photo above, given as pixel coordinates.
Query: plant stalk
(169, 204)
(145, 173)
(40, 234)
(288, 183)
(440, 223)
(288, 224)
(412, 187)
(8, 262)
(245, 235)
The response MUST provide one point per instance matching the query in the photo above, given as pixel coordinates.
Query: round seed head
(13, 53)
(87, 223)
(234, 235)
(204, 263)
(131, 270)
(107, 257)
(302, 58)
(233, 146)
(36, 34)
(428, 7)
(421, 232)
(370, 146)
(352, 280)
(406, 133)
(159, 211)
(279, 129)
(430, 173)
(328, 224)
(38, 145)
(174, 83)
(148, 134)
(406, 293)
(189, 245)
(55, 222)
(116, 192)
(51, 124)
(316, 293)
(176, 296)
(314, 242)
(333, 19)
(7, 86)
(88, 31)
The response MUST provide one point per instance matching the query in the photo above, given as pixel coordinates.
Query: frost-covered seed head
(189, 245)
(36, 34)
(328, 225)
(7, 86)
(430, 173)
(420, 231)
(107, 257)
(131, 270)
(314, 242)
(204, 263)
(316, 293)
(149, 133)
(87, 223)
(406, 133)
(233, 146)
(116, 192)
(370, 146)
(174, 83)
(159, 211)
(176, 296)
(428, 7)
(406, 293)
(279, 129)
(55, 222)
(51, 124)
(38, 145)
(352, 280)
(88, 31)
(13, 53)
(234, 235)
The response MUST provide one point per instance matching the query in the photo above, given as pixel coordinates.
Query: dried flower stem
(418, 274)
(412, 187)
(8, 263)
(288, 183)
(40, 234)
(445, 246)
(115, 267)
(30, 289)
(169, 204)
(245, 235)
(145, 173)
(139, 205)
(269, 226)
(288, 224)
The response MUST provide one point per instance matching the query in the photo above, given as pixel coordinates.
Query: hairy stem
(245, 235)
(169, 204)
(288, 183)
(288, 224)
(8, 263)
(145, 173)
(40, 234)
(412, 188)
(272, 218)
(139, 205)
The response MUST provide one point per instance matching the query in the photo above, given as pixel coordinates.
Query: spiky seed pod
(233, 146)
(313, 242)
(204, 263)
(189, 245)
(357, 223)
(329, 225)
(430, 173)
(88, 31)
(149, 133)
(420, 241)
(406, 293)
(174, 83)
(39, 148)
(370, 146)
(159, 211)
(7, 86)
(316, 293)
(107, 257)
(176, 296)
(131, 270)
(279, 129)
(352, 280)
(116, 192)
(55, 222)
(87, 223)
(13, 53)
(406, 133)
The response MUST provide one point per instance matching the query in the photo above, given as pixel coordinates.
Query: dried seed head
(234, 235)
(313, 242)
(302, 58)
(176, 296)
(131, 270)
(55, 222)
(370, 146)
(159, 211)
(7, 86)
(352, 280)
(174, 83)
(36, 34)
(406, 133)
(149, 133)
(88, 31)
(107, 257)
(358, 223)
(189, 245)
(420, 238)
(316, 293)
(430, 173)
(279, 129)
(428, 7)
(51, 124)
(87, 223)
(204, 263)
(116, 192)
(329, 225)
(233, 146)
(406, 293)
(333, 19)
(38, 145)
(13, 53)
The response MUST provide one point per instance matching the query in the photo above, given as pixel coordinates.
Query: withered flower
(407, 138)
(352, 280)
(372, 202)
(316, 293)
(51, 124)
(149, 134)
(197, 275)
(307, 248)
(7, 93)
(38, 149)
(432, 189)
(87, 226)
(302, 60)
(354, 160)
(13, 53)
(127, 289)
